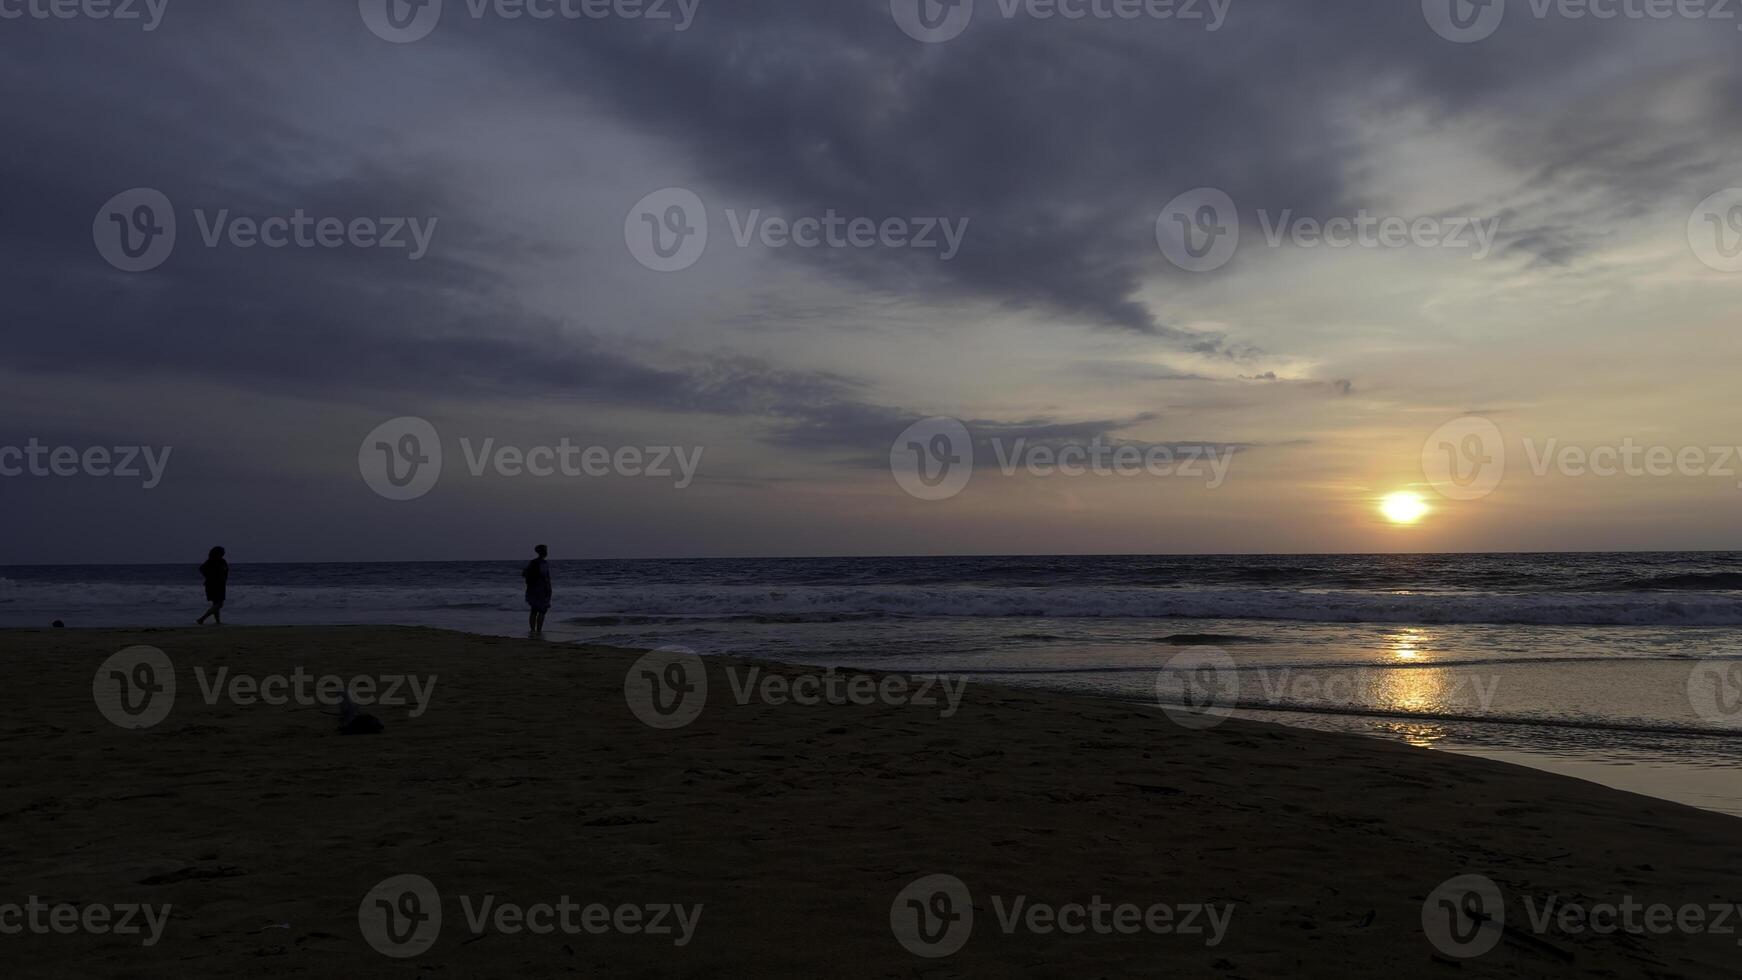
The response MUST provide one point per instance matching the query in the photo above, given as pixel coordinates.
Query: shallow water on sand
(1641, 709)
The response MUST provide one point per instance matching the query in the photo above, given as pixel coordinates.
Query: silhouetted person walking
(216, 572)
(537, 576)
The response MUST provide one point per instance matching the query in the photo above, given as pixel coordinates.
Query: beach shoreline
(528, 775)
(1684, 765)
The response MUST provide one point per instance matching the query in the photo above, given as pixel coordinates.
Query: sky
(1267, 262)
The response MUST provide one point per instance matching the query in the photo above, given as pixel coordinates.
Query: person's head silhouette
(215, 553)
(542, 551)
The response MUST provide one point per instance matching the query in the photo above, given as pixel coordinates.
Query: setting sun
(1403, 507)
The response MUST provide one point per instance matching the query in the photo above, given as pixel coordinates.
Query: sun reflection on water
(1406, 644)
(1417, 689)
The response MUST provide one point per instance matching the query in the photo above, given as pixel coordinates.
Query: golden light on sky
(1403, 507)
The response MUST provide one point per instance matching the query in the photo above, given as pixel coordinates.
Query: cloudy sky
(1115, 231)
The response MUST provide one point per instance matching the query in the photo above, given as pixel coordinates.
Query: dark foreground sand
(795, 827)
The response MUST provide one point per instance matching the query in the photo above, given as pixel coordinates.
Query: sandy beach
(565, 834)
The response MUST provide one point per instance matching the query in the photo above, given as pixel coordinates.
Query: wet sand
(527, 780)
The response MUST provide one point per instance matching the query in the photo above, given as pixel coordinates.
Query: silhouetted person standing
(537, 576)
(216, 572)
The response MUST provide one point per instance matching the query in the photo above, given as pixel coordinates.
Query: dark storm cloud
(1060, 141)
(351, 324)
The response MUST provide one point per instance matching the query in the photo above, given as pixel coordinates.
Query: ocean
(1625, 669)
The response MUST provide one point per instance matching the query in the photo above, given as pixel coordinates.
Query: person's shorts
(215, 598)
(539, 603)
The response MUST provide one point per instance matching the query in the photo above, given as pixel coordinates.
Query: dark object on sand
(59, 625)
(354, 722)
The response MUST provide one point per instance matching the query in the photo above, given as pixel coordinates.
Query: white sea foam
(303, 604)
